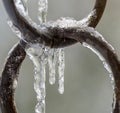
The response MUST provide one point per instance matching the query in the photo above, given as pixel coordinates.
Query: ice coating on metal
(106, 65)
(14, 29)
(21, 8)
(84, 22)
(25, 5)
(67, 22)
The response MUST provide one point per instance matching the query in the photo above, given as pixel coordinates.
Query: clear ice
(37, 55)
(40, 56)
(52, 59)
(61, 66)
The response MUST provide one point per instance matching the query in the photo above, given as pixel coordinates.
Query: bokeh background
(87, 85)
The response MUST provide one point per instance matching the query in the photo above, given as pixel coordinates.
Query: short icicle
(52, 59)
(61, 66)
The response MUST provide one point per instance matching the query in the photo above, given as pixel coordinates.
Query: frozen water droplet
(61, 66)
(15, 84)
(106, 66)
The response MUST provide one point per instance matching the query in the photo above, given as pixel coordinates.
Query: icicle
(52, 59)
(38, 55)
(42, 10)
(39, 87)
(61, 66)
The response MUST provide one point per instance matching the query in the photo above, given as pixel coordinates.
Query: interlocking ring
(55, 36)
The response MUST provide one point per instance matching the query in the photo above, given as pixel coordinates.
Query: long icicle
(39, 87)
(38, 56)
(40, 71)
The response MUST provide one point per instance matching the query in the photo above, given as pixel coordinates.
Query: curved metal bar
(99, 9)
(30, 31)
(9, 79)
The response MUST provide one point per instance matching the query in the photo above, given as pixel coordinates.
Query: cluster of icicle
(41, 56)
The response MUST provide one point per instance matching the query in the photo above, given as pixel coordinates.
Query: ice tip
(15, 82)
(61, 91)
(51, 82)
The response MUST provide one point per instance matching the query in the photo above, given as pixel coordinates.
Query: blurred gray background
(87, 84)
